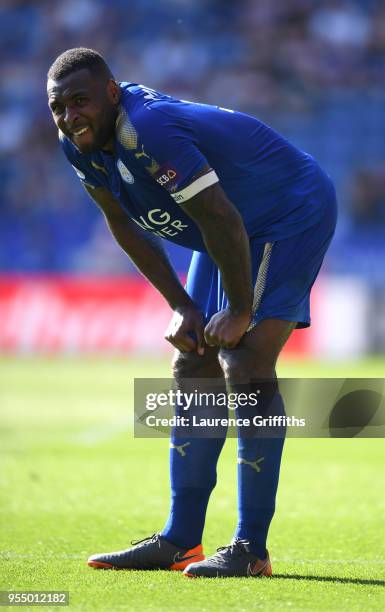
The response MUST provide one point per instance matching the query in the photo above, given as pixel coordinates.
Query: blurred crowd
(313, 69)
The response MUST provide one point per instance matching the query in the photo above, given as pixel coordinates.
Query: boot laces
(154, 538)
(237, 546)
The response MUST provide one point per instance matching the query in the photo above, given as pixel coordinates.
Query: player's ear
(113, 91)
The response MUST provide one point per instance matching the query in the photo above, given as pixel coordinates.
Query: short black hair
(78, 59)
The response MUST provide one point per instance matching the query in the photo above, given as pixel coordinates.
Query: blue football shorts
(283, 273)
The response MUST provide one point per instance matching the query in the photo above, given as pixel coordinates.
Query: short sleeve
(80, 164)
(176, 159)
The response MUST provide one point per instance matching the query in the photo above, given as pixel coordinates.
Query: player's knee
(244, 364)
(186, 365)
(180, 366)
(192, 365)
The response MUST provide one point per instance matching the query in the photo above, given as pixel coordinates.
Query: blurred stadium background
(315, 70)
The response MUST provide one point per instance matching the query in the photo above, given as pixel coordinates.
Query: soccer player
(259, 215)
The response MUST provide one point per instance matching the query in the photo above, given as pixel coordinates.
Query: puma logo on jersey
(254, 464)
(180, 448)
(142, 154)
(100, 168)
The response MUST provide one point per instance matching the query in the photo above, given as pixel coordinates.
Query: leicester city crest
(125, 173)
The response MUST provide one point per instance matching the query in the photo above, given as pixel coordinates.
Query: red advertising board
(87, 314)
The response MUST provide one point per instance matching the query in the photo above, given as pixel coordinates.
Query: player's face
(84, 108)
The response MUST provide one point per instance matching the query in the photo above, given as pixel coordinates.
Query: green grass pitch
(74, 481)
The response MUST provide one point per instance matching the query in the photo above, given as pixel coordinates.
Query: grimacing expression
(84, 108)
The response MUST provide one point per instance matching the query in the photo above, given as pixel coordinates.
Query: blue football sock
(259, 460)
(193, 464)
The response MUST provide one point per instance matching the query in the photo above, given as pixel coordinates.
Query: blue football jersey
(162, 145)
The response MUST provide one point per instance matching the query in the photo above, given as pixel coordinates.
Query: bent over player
(259, 215)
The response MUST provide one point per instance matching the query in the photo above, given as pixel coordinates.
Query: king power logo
(159, 222)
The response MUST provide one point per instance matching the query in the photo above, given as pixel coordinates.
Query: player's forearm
(228, 245)
(150, 258)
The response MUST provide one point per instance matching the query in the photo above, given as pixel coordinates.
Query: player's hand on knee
(185, 330)
(225, 329)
